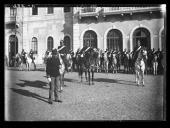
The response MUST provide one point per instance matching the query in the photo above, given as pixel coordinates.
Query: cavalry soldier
(53, 75)
(62, 49)
(136, 50)
(23, 55)
(85, 49)
(31, 53)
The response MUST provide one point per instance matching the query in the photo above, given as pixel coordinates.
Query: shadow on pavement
(29, 94)
(105, 80)
(36, 84)
(114, 81)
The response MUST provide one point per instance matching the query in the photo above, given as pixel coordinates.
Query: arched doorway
(114, 40)
(143, 35)
(67, 42)
(91, 37)
(13, 49)
(50, 43)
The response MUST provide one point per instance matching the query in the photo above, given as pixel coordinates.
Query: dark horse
(87, 63)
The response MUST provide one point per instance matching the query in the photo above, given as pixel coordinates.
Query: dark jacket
(52, 67)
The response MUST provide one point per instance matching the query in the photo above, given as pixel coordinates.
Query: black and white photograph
(84, 62)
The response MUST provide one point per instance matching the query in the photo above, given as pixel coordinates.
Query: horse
(131, 62)
(155, 64)
(70, 62)
(89, 63)
(29, 61)
(126, 62)
(149, 62)
(45, 56)
(118, 61)
(114, 63)
(20, 61)
(80, 66)
(140, 65)
(98, 60)
(106, 62)
(62, 72)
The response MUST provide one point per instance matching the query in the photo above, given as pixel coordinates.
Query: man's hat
(54, 52)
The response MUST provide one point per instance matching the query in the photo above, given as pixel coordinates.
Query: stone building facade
(119, 27)
(42, 28)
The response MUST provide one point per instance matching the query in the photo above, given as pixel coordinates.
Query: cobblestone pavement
(112, 97)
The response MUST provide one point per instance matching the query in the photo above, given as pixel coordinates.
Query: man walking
(53, 74)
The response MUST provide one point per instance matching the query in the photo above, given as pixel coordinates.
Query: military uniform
(23, 56)
(136, 52)
(85, 49)
(63, 51)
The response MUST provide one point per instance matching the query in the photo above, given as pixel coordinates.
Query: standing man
(52, 70)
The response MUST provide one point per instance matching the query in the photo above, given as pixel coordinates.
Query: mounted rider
(62, 49)
(85, 49)
(136, 50)
(31, 54)
(23, 55)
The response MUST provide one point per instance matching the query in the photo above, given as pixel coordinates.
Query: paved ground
(112, 97)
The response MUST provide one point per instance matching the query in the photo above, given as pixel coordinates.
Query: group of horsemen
(123, 58)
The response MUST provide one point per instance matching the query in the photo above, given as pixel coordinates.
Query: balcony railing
(13, 18)
(115, 10)
(88, 11)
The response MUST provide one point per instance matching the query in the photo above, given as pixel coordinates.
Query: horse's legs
(156, 68)
(89, 75)
(154, 71)
(137, 77)
(34, 65)
(61, 82)
(92, 76)
(142, 77)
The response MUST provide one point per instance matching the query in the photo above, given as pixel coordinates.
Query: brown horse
(90, 63)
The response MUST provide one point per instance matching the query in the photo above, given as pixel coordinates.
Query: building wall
(40, 26)
(126, 24)
(60, 24)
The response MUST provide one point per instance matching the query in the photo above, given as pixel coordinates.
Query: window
(91, 37)
(50, 10)
(143, 35)
(13, 11)
(66, 9)
(67, 42)
(49, 43)
(34, 45)
(34, 11)
(114, 40)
